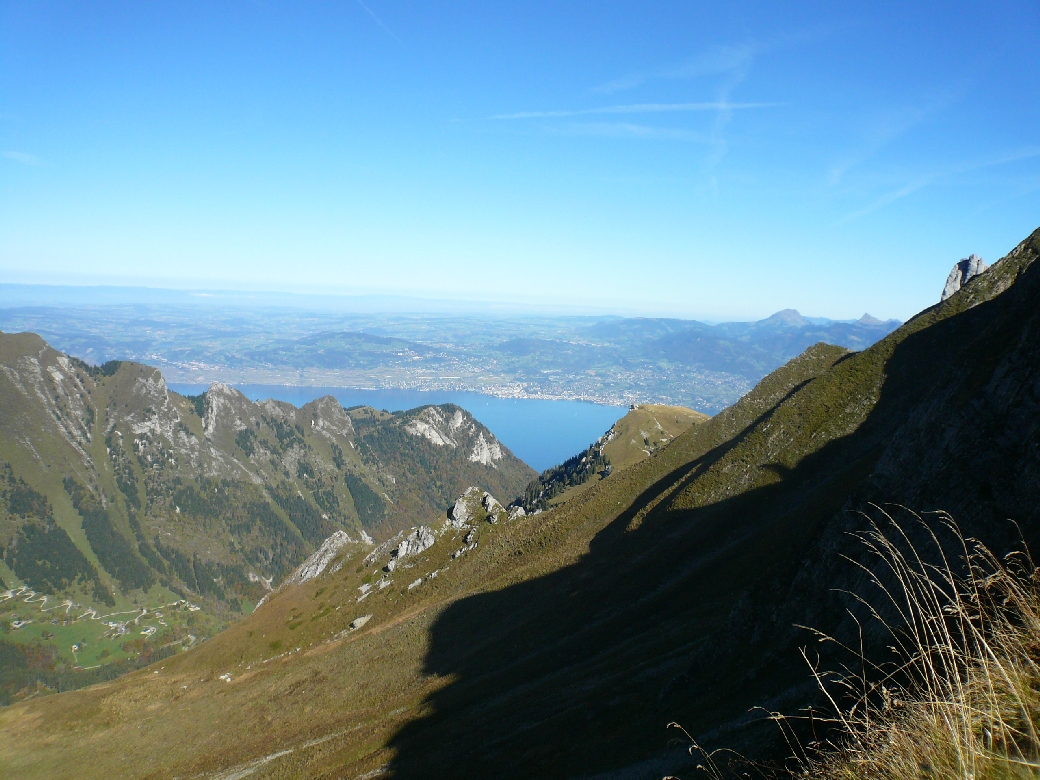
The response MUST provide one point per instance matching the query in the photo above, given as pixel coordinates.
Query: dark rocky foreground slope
(561, 645)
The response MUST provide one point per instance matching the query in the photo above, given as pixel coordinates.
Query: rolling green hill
(560, 645)
(118, 495)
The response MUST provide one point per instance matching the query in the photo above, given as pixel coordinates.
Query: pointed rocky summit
(965, 269)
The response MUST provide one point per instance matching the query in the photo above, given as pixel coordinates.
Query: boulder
(358, 622)
(490, 504)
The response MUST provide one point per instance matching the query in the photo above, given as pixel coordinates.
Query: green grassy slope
(562, 644)
(641, 432)
(645, 429)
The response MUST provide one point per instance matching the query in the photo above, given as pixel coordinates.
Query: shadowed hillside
(684, 607)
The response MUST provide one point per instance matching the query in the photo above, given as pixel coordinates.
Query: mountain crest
(785, 318)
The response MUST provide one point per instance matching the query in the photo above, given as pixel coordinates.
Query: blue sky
(672, 158)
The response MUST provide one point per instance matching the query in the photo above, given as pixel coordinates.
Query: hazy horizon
(717, 163)
(44, 296)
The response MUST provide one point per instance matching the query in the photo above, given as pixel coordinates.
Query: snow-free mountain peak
(964, 270)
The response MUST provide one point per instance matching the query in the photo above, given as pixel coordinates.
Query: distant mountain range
(560, 645)
(746, 349)
(605, 359)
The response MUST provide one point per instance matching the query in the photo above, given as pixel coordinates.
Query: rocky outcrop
(420, 539)
(477, 504)
(965, 269)
(460, 515)
(329, 419)
(316, 564)
(417, 541)
(485, 452)
(495, 511)
(430, 424)
(358, 622)
(468, 543)
(490, 503)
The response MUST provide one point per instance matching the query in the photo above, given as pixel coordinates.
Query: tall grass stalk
(959, 694)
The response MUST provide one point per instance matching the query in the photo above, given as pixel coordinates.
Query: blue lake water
(541, 433)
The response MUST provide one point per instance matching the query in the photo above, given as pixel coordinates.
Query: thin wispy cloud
(23, 158)
(637, 108)
(927, 179)
(890, 197)
(719, 60)
(379, 21)
(631, 81)
(626, 130)
(887, 128)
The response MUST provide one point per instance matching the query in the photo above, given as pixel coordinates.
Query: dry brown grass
(959, 693)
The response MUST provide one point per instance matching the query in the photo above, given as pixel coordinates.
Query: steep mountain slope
(636, 436)
(120, 495)
(561, 645)
(644, 430)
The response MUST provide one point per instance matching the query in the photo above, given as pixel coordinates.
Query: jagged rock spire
(965, 269)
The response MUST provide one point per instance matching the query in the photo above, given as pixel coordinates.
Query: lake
(541, 433)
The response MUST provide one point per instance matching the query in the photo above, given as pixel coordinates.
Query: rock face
(444, 429)
(490, 503)
(315, 565)
(432, 425)
(417, 541)
(486, 453)
(965, 269)
(461, 513)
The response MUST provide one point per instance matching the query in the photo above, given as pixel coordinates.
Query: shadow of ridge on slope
(687, 616)
(580, 670)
